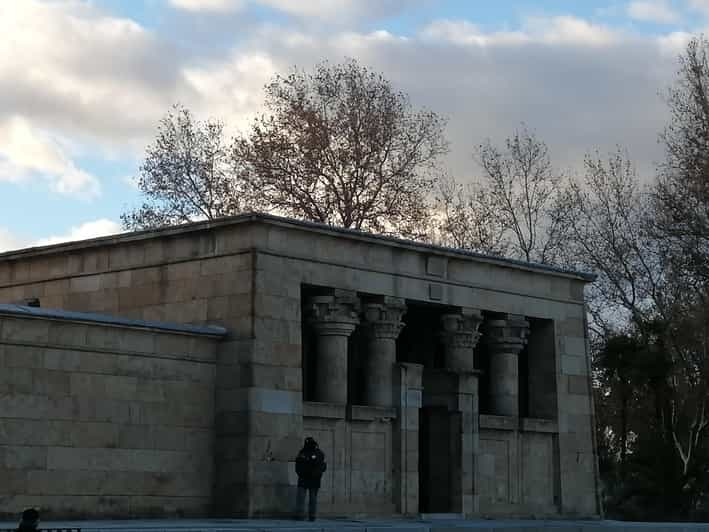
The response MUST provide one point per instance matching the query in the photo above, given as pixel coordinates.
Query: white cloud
(699, 5)
(580, 85)
(341, 11)
(102, 227)
(70, 67)
(541, 30)
(210, 6)
(652, 11)
(9, 241)
(231, 89)
(26, 152)
(92, 229)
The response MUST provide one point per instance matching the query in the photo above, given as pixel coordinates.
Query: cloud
(581, 86)
(307, 10)
(659, 11)
(699, 5)
(9, 241)
(92, 229)
(102, 227)
(102, 80)
(26, 152)
(210, 6)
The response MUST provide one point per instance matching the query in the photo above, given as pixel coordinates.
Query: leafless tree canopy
(514, 208)
(341, 146)
(187, 174)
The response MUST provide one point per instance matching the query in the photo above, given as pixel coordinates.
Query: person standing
(309, 466)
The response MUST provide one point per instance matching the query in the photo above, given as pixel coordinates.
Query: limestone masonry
(177, 371)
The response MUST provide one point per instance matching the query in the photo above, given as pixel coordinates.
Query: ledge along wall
(100, 420)
(247, 274)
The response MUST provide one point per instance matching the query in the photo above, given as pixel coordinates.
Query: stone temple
(176, 372)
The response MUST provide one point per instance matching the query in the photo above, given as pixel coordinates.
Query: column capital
(460, 329)
(382, 316)
(335, 314)
(506, 335)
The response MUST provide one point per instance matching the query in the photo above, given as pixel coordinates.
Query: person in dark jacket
(309, 466)
(29, 521)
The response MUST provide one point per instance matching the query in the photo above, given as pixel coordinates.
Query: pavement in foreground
(365, 525)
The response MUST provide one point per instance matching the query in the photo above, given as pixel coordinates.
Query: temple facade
(435, 380)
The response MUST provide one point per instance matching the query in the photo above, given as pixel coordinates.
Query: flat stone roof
(104, 319)
(255, 217)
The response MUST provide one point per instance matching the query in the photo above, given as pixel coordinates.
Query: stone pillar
(382, 323)
(407, 395)
(334, 318)
(505, 339)
(460, 336)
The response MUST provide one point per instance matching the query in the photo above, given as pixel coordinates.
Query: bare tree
(682, 191)
(682, 206)
(465, 219)
(608, 224)
(188, 174)
(341, 146)
(514, 208)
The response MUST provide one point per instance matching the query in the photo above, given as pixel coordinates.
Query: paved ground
(352, 525)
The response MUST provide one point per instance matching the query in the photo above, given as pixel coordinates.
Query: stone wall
(357, 443)
(104, 420)
(247, 274)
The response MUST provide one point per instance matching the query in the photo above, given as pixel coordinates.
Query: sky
(83, 84)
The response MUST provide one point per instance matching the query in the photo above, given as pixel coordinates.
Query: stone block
(87, 408)
(575, 346)
(14, 482)
(154, 251)
(436, 265)
(19, 356)
(67, 334)
(49, 382)
(148, 276)
(124, 256)
(266, 376)
(28, 330)
(89, 283)
(137, 341)
(141, 460)
(218, 308)
(95, 434)
(15, 380)
(113, 280)
(577, 404)
(136, 297)
(183, 271)
(267, 400)
(578, 385)
(24, 457)
(55, 288)
(574, 365)
(225, 264)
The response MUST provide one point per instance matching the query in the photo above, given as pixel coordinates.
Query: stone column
(505, 339)
(460, 336)
(407, 393)
(334, 318)
(382, 323)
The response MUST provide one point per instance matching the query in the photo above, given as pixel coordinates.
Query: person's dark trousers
(312, 502)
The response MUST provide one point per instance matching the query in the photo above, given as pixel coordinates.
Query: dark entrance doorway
(435, 473)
